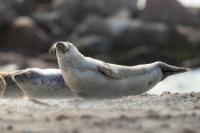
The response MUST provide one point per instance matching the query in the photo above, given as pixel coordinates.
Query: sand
(168, 113)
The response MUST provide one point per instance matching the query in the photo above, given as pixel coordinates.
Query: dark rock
(160, 42)
(24, 7)
(103, 29)
(168, 11)
(62, 117)
(56, 22)
(25, 33)
(141, 55)
(93, 45)
(7, 13)
(27, 7)
(139, 33)
(108, 27)
(79, 9)
(191, 34)
(133, 41)
(9, 127)
(93, 25)
(61, 20)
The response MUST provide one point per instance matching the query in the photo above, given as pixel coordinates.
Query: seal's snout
(59, 44)
(62, 47)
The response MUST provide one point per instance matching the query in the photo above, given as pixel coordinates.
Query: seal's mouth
(60, 47)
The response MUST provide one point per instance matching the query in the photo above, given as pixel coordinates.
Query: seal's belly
(91, 84)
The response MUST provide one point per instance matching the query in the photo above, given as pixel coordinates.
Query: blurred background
(127, 32)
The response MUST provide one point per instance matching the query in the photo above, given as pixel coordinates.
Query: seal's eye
(62, 47)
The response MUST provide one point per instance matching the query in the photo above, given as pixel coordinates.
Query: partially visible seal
(2, 85)
(42, 83)
(89, 77)
(12, 90)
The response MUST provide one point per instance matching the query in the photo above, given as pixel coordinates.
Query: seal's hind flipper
(168, 70)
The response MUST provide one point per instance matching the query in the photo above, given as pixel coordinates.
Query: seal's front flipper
(108, 71)
(168, 70)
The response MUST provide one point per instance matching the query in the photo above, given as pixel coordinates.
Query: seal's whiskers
(53, 48)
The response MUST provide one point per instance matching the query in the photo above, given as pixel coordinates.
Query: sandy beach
(177, 113)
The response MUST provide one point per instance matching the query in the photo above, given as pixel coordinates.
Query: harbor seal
(93, 78)
(42, 83)
(12, 90)
(2, 85)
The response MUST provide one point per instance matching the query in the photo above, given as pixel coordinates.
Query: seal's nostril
(59, 44)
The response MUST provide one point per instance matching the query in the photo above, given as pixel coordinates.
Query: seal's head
(26, 75)
(2, 85)
(64, 50)
(27, 79)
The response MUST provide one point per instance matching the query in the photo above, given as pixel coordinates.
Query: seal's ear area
(108, 71)
(2, 85)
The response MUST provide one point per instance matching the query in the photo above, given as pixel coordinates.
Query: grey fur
(42, 83)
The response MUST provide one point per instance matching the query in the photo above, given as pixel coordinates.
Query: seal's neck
(71, 61)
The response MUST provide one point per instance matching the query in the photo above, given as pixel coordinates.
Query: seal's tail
(168, 70)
